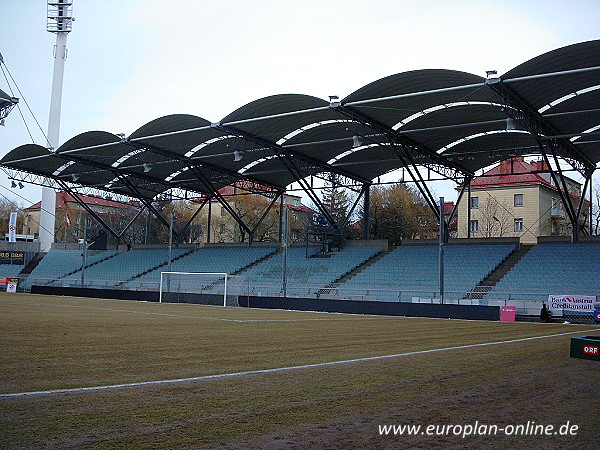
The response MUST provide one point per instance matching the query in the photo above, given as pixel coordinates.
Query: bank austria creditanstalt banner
(584, 303)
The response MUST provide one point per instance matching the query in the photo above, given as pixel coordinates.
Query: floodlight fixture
(492, 77)
(74, 177)
(237, 156)
(511, 124)
(334, 101)
(21, 185)
(13, 184)
(356, 141)
(146, 167)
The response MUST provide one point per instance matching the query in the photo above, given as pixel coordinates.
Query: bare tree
(494, 218)
(6, 207)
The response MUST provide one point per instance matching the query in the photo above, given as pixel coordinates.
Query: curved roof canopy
(452, 122)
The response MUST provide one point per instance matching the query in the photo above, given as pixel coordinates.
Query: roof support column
(365, 188)
(124, 230)
(366, 212)
(209, 222)
(215, 192)
(469, 212)
(146, 202)
(418, 180)
(265, 213)
(89, 210)
(465, 186)
(564, 195)
(580, 206)
(189, 222)
(591, 206)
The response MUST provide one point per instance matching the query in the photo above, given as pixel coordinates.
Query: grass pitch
(60, 342)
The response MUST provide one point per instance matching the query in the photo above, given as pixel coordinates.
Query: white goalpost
(194, 283)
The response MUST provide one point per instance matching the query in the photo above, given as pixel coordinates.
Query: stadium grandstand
(453, 124)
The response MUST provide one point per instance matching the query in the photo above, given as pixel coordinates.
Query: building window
(474, 202)
(222, 228)
(518, 199)
(518, 225)
(474, 226)
(223, 212)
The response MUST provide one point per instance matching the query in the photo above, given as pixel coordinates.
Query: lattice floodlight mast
(6, 107)
(59, 21)
(7, 103)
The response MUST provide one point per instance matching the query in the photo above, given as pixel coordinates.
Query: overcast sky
(131, 61)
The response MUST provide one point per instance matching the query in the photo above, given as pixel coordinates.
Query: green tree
(336, 198)
(397, 212)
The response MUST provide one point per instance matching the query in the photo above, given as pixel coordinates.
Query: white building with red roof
(69, 212)
(517, 199)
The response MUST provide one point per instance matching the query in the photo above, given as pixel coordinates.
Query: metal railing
(241, 287)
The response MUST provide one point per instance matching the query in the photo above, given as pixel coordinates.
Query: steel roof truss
(264, 214)
(189, 222)
(146, 202)
(216, 173)
(363, 191)
(417, 178)
(420, 153)
(291, 166)
(124, 230)
(563, 193)
(279, 150)
(538, 126)
(89, 210)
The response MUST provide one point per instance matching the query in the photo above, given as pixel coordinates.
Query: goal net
(200, 287)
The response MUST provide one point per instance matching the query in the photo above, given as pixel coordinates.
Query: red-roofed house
(68, 211)
(517, 199)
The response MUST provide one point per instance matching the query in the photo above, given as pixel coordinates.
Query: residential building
(517, 198)
(69, 215)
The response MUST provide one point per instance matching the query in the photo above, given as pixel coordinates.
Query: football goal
(182, 286)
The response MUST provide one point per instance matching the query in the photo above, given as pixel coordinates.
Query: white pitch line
(282, 369)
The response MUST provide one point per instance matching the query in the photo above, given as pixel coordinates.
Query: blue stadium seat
(413, 271)
(208, 259)
(307, 273)
(552, 269)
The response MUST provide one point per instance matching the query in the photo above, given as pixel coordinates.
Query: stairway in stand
(486, 285)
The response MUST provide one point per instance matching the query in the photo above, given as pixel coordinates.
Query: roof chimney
(541, 165)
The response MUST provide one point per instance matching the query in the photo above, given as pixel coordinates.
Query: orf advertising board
(583, 303)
